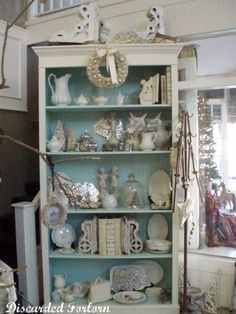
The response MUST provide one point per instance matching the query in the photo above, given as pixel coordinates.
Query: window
(223, 114)
(53, 5)
(218, 216)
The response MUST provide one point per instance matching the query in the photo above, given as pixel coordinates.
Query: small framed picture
(53, 214)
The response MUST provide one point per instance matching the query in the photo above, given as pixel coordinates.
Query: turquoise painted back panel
(142, 165)
(75, 221)
(79, 83)
(80, 121)
(87, 270)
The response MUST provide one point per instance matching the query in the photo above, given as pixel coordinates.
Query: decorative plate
(157, 227)
(53, 214)
(154, 271)
(127, 277)
(157, 251)
(159, 188)
(63, 235)
(129, 297)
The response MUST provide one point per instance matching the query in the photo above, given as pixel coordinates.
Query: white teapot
(81, 100)
(100, 100)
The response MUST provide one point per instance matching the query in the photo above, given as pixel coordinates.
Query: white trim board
(14, 97)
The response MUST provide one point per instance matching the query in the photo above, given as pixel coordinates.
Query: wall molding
(14, 97)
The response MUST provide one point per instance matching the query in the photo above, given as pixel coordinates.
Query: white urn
(54, 145)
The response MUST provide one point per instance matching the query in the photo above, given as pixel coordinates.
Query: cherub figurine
(113, 175)
(102, 177)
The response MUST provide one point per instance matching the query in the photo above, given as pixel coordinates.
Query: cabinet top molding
(129, 48)
(165, 53)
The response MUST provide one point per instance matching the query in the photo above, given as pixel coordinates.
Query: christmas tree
(207, 165)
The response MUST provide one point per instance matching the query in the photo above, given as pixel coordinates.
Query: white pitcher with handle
(60, 95)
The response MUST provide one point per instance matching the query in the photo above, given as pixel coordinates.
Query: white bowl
(159, 245)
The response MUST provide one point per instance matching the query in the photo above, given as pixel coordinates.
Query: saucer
(157, 251)
(129, 297)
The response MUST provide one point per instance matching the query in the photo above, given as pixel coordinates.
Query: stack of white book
(166, 90)
(109, 236)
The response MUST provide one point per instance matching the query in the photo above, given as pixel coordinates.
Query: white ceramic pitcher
(60, 95)
(147, 141)
(59, 281)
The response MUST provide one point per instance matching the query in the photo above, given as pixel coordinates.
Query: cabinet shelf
(148, 304)
(114, 211)
(99, 153)
(76, 255)
(106, 107)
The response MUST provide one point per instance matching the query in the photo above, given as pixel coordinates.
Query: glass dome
(133, 195)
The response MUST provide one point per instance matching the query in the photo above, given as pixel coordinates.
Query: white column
(187, 66)
(27, 251)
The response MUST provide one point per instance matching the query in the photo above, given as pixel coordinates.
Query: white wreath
(116, 65)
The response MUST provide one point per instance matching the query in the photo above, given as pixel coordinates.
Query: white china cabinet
(148, 163)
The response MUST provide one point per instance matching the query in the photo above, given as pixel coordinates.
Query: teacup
(76, 287)
(68, 296)
(56, 295)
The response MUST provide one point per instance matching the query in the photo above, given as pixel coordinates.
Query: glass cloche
(133, 195)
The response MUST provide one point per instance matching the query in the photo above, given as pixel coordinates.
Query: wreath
(116, 65)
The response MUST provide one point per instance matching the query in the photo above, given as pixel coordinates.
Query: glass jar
(133, 196)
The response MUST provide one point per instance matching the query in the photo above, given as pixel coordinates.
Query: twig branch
(35, 150)
(76, 158)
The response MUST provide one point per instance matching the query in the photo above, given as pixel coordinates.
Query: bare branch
(8, 26)
(35, 150)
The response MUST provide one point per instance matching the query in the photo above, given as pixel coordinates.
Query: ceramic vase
(109, 201)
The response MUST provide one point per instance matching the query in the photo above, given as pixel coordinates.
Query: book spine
(168, 85)
(110, 237)
(102, 236)
(163, 89)
(155, 89)
(117, 236)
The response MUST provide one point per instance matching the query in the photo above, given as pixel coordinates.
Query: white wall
(183, 18)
